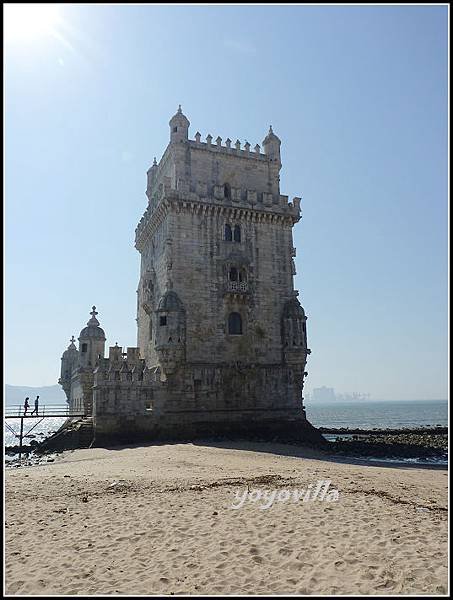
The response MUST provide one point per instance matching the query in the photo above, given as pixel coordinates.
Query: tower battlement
(245, 152)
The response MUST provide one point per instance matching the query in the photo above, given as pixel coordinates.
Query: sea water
(381, 415)
(33, 427)
(384, 414)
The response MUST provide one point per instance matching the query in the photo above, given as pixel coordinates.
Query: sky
(357, 94)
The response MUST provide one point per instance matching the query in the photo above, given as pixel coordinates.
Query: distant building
(222, 339)
(323, 394)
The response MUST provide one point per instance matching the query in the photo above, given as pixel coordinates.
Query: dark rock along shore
(421, 442)
(407, 443)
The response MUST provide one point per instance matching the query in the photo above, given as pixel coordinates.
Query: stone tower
(218, 318)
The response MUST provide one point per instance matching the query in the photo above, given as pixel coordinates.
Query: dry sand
(167, 525)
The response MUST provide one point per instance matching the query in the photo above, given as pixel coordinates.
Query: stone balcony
(240, 287)
(237, 289)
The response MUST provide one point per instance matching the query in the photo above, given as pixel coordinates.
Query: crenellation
(227, 149)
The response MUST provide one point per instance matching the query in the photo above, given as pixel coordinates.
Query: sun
(27, 22)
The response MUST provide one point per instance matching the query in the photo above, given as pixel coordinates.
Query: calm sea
(379, 414)
(32, 428)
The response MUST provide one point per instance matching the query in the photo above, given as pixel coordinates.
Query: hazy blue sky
(358, 96)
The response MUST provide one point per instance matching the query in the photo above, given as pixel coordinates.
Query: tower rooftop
(92, 330)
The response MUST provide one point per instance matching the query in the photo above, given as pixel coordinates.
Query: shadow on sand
(289, 450)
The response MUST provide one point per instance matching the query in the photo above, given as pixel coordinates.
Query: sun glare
(26, 22)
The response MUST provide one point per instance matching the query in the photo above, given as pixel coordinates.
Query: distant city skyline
(358, 96)
(329, 394)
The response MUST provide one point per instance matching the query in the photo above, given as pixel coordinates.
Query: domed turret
(151, 176)
(179, 127)
(293, 310)
(91, 342)
(69, 361)
(294, 332)
(271, 145)
(171, 332)
(170, 302)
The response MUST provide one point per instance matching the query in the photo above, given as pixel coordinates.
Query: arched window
(233, 274)
(235, 324)
(228, 233)
(227, 190)
(237, 233)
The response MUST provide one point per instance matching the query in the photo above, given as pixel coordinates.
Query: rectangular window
(163, 321)
(84, 347)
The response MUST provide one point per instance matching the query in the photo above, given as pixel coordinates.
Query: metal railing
(49, 410)
(17, 411)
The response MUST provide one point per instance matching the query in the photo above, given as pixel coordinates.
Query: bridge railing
(55, 410)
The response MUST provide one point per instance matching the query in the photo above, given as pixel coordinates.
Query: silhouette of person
(35, 410)
(26, 405)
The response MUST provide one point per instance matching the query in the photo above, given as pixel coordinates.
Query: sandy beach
(159, 520)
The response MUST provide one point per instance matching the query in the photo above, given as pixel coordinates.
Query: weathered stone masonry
(222, 341)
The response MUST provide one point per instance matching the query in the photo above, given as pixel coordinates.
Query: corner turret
(69, 361)
(271, 146)
(170, 332)
(179, 127)
(151, 176)
(91, 342)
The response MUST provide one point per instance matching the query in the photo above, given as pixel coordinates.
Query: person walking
(26, 405)
(35, 410)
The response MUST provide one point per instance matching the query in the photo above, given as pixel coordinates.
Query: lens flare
(27, 22)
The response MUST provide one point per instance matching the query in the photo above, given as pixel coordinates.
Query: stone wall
(196, 263)
(129, 396)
